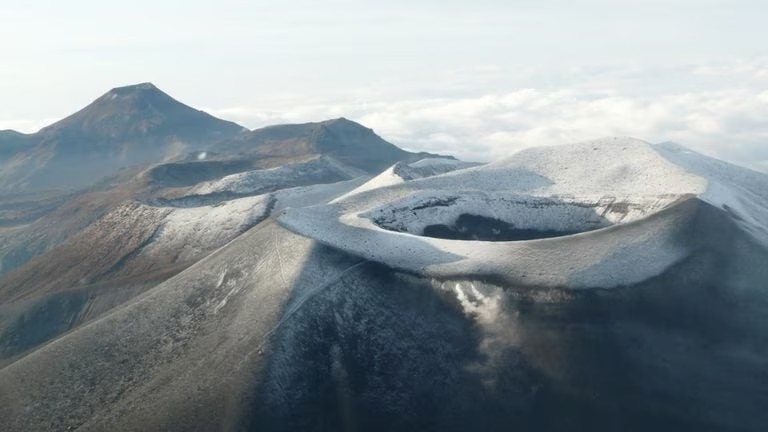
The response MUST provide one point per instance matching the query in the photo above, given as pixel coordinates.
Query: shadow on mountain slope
(276, 332)
(381, 351)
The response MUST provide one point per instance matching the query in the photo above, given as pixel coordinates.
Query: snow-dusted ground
(639, 188)
(741, 192)
(319, 170)
(402, 172)
(189, 232)
(304, 196)
(156, 234)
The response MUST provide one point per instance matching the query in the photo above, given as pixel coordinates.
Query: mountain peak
(141, 91)
(343, 122)
(136, 87)
(138, 110)
(129, 125)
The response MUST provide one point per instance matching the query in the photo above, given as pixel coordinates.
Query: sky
(479, 79)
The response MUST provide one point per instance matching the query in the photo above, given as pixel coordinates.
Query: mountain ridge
(343, 139)
(140, 124)
(125, 126)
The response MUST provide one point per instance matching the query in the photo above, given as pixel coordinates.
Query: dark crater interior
(473, 227)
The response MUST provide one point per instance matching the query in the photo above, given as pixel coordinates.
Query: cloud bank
(720, 110)
(486, 112)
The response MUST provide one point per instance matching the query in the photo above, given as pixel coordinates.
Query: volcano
(605, 285)
(126, 126)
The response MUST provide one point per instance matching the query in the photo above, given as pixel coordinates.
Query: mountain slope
(342, 139)
(130, 113)
(11, 143)
(135, 247)
(129, 125)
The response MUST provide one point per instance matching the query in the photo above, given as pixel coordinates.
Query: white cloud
(729, 124)
(749, 69)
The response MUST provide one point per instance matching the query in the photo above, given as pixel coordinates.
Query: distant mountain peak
(342, 139)
(128, 125)
(136, 93)
(344, 123)
(144, 86)
(138, 110)
(339, 120)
